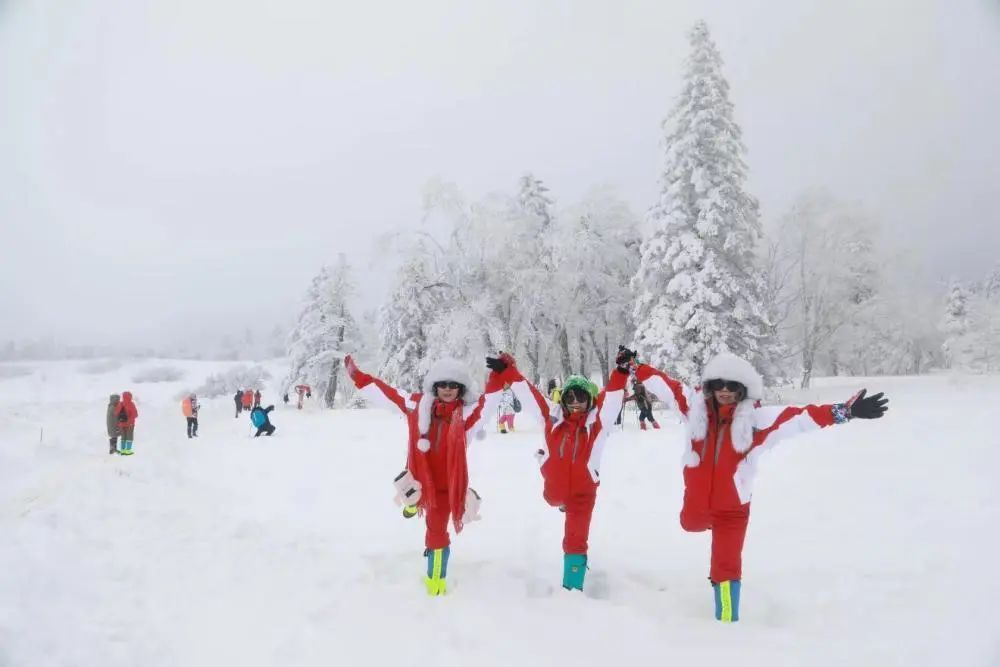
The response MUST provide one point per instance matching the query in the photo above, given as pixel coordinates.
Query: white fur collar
(741, 431)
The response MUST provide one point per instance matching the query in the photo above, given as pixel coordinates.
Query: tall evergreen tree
(324, 332)
(698, 289)
(405, 322)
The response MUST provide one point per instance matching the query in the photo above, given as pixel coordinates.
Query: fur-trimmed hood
(443, 370)
(727, 366)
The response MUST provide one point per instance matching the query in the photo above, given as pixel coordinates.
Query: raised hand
(500, 363)
(867, 407)
(624, 359)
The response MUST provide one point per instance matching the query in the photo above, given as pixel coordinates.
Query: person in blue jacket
(260, 417)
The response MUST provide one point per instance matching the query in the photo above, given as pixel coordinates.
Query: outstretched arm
(775, 423)
(487, 404)
(533, 402)
(672, 392)
(380, 393)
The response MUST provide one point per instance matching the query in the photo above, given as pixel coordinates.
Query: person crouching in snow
(127, 414)
(728, 432)
(574, 443)
(114, 430)
(436, 479)
(260, 417)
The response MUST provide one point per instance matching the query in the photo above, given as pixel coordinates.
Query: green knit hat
(580, 382)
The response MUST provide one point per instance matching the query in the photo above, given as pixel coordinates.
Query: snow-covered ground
(870, 543)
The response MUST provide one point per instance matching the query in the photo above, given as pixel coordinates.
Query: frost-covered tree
(324, 333)
(824, 254)
(699, 291)
(406, 319)
(955, 325)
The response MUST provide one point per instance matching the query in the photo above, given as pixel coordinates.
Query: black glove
(868, 407)
(624, 359)
(499, 363)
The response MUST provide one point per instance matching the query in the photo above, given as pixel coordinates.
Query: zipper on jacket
(562, 445)
(718, 439)
(576, 443)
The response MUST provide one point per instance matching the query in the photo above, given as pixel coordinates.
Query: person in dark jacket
(114, 430)
(260, 418)
(256, 398)
(645, 405)
(238, 399)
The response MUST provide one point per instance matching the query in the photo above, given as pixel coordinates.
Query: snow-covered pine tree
(698, 289)
(535, 293)
(324, 333)
(955, 326)
(405, 322)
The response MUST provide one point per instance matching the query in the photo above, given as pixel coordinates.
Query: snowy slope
(870, 544)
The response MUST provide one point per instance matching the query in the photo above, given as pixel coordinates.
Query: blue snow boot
(574, 570)
(727, 601)
(437, 570)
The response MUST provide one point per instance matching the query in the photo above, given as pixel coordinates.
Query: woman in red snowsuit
(436, 479)
(574, 443)
(728, 431)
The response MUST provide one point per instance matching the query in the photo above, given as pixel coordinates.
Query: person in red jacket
(247, 400)
(574, 443)
(127, 414)
(436, 479)
(728, 431)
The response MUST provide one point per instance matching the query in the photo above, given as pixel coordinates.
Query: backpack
(516, 405)
(122, 415)
(258, 417)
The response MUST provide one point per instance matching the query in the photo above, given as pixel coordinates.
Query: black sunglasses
(728, 385)
(577, 396)
(448, 385)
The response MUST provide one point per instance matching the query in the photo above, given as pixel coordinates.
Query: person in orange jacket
(575, 437)
(127, 414)
(247, 400)
(436, 479)
(189, 408)
(728, 431)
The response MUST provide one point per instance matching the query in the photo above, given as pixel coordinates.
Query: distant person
(238, 399)
(189, 406)
(285, 398)
(126, 416)
(114, 430)
(247, 400)
(260, 417)
(256, 398)
(645, 405)
(303, 390)
(509, 406)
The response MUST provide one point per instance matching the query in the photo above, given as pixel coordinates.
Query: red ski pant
(508, 421)
(437, 517)
(729, 529)
(579, 510)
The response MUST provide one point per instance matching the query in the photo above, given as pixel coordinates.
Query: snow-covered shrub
(99, 366)
(238, 377)
(15, 371)
(158, 374)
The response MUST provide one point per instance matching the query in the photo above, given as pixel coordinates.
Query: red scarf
(451, 439)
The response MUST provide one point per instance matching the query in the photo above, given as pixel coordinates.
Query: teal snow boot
(574, 570)
(727, 601)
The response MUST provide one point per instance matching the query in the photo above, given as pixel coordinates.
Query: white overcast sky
(169, 167)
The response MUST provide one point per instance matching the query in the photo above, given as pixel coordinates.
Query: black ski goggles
(728, 385)
(448, 385)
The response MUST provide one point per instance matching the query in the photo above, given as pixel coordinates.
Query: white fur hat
(443, 370)
(727, 366)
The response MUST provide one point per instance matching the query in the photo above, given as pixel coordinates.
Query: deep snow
(870, 543)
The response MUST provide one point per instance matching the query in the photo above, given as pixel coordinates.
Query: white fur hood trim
(727, 366)
(741, 431)
(443, 370)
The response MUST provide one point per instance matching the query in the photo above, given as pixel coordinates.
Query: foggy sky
(179, 167)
